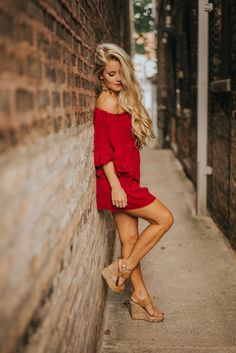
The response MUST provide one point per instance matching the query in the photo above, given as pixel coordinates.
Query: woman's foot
(116, 273)
(124, 272)
(143, 309)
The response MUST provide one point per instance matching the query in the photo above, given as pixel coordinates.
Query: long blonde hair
(131, 95)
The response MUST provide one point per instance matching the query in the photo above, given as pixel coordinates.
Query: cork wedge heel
(114, 272)
(138, 311)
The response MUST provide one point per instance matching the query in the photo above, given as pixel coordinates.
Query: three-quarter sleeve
(103, 150)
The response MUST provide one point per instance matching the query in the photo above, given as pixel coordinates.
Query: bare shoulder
(107, 102)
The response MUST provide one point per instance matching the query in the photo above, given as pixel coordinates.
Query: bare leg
(135, 248)
(127, 226)
(161, 220)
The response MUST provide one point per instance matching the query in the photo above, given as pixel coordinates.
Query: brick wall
(54, 243)
(177, 57)
(166, 77)
(177, 80)
(222, 103)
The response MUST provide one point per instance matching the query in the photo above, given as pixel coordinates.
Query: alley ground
(190, 274)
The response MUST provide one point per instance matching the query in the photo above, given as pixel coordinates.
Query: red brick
(47, 177)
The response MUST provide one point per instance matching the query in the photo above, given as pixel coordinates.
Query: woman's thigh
(127, 226)
(156, 212)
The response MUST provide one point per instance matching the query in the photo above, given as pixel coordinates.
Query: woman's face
(111, 76)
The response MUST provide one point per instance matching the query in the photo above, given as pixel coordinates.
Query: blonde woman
(121, 128)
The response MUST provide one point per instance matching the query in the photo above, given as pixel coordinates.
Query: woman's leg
(161, 220)
(127, 226)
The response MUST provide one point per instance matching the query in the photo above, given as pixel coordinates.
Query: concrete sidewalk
(190, 275)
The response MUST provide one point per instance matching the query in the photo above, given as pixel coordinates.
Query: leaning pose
(121, 128)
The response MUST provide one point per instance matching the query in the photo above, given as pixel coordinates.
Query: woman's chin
(118, 88)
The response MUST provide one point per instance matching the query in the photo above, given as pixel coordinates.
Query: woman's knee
(166, 220)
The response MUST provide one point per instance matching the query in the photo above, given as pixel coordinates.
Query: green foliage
(143, 20)
(139, 49)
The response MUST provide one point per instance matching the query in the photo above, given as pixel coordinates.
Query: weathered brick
(43, 99)
(4, 101)
(50, 72)
(66, 99)
(47, 177)
(43, 42)
(24, 100)
(66, 56)
(56, 99)
(61, 76)
(4, 141)
(49, 21)
(34, 10)
(6, 25)
(60, 30)
(13, 136)
(55, 51)
(10, 62)
(34, 67)
(23, 32)
(74, 99)
(57, 123)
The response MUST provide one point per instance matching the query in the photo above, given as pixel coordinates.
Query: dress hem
(127, 209)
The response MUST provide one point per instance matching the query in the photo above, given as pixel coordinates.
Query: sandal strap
(124, 272)
(145, 301)
(142, 302)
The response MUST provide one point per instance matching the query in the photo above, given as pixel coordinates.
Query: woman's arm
(118, 195)
(109, 171)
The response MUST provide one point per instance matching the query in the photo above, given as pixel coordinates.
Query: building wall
(222, 118)
(53, 241)
(177, 57)
(177, 79)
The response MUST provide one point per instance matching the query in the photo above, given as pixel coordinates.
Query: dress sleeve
(103, 150)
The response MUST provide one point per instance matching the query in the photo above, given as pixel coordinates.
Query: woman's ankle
(126, 264)
(141, 293)
(130, 264)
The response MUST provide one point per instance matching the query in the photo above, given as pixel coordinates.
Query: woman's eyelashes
(112, 74)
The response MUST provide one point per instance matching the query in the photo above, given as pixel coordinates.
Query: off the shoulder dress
(113, 141)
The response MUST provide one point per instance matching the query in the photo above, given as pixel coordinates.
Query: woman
(121, 128)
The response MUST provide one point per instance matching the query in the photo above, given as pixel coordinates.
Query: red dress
(113, 141)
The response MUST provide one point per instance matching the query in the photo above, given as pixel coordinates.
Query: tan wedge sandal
(114, 272)
(138, 311)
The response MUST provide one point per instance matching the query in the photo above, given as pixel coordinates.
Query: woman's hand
(118, 196)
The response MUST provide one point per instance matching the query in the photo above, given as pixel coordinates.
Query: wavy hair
(131, 95)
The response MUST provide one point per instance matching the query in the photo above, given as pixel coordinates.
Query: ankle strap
(124, 265)
(142, 302)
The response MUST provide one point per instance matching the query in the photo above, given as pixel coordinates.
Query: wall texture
(177, 93)
(222, 117)
(53, 241)
(177, 22)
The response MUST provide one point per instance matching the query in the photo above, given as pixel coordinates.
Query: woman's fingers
(124, 202)
(119, 199)
(120, 203)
